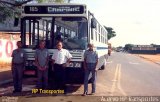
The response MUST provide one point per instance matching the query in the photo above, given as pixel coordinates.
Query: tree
(14, 2)
(5, 13)
(111, 32)
(11, 8)
(128, 47)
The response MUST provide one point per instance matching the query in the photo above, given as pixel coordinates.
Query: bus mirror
(16, 22)
(93, 23)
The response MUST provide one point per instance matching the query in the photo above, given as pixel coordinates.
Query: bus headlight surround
(29, 63)
(74, 64)
(77, 64)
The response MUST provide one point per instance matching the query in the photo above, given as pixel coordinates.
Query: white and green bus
(78, 28)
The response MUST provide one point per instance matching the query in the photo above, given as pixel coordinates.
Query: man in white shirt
(61, 57)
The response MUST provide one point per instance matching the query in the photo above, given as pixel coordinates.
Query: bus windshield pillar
(29, 32)
(23, 31)
(52, 40)
(38, 32)
(47, 34)
(33, 34)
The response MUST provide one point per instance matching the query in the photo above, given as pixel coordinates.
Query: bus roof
(53, 4)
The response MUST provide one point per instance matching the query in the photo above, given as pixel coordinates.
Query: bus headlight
(70, 64)
(77, 65)
(29, 63)
(74, 64)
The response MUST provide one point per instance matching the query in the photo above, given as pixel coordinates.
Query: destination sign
(55, 9)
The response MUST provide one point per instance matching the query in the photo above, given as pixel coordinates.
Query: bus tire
(103, 67)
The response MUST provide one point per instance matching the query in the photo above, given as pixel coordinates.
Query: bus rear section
(109, 49)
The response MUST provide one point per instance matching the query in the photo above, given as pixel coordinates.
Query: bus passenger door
(29, 32)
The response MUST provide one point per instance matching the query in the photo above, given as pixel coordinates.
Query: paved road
(129, 75)
(125, 75)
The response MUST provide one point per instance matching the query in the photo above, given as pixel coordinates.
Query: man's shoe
(93, 93)
(19, 91)
(84, 94)
(15, 91)
(65, 93)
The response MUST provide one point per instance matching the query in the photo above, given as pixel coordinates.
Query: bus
(78, 27)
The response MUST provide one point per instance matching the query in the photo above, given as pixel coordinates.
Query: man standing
(90, 63)
(42, 58)
(18, 62)
(61, 58)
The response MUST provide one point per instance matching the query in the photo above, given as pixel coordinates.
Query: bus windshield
(72, 31)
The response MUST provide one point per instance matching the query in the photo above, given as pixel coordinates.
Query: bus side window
(93, 23)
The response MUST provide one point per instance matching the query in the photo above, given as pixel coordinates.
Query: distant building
(145, 49)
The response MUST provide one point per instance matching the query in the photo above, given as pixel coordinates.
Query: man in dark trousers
(18, 62)
(90, 63)
(42, 58)
(61, 58)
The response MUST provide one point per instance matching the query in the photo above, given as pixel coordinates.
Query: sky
(134, 21)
